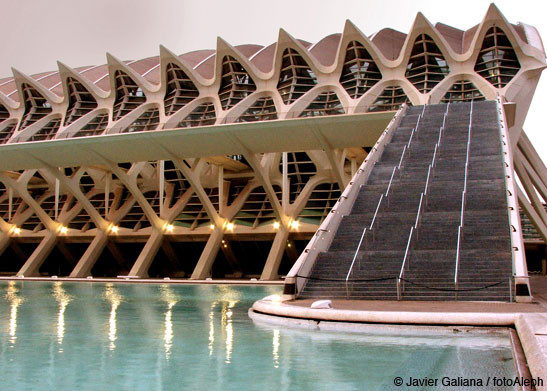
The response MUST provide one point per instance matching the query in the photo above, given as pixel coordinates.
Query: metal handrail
(457, 260)
(376, 212)
(426, 188)
(390, 181)
(434, 156)
(419, 211)
(410, 138)
(401, 159)
(353, 260)
(464, 195)
(402, 273)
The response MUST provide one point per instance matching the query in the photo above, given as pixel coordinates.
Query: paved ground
(539, 291)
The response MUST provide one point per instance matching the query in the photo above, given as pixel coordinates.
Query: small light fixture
(230, 226)
(276, 225)
(288, 244)
(169, 227)
(114, 229)
(212, 227)
(225, 245)
(295, 224)
(63, 229)
(16, 230)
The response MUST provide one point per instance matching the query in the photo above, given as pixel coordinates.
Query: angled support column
(205, 262)
(143, 262)
(275, 255)
(31, 267)
(88, 260)
(334, 160)
(530, 191)
(4, 242)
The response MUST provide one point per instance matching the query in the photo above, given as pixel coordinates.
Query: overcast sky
(37, 33)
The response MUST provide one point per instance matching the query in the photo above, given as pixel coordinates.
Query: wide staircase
(431, 222)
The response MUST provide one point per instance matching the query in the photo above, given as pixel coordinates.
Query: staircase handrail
(402, 272)
(464, 195)
(324, 235)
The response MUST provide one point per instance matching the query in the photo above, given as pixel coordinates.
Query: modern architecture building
(224, 163)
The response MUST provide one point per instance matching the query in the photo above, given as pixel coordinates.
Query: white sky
(79, 32)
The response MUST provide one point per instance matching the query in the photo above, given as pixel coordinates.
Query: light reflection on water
(172, 337)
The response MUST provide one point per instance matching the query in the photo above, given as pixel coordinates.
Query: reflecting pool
(92, 336)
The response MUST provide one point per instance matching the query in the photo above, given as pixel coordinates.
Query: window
(360, 72)
(180, 90)
(462, 91)
(497, 61)
(263, 109)
(47, 132)
(94, 127)
(129, 96)
(296, 77)
(148, 120)
(80, 101)
(389, 100)
(36, 106)
(202, 115)
(236, 84)
(326, 103)
(426, 66)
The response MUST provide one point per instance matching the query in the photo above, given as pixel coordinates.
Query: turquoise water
(92, 336)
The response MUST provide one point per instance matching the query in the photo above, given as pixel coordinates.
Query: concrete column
(143, 262)
(276, 254)
(88, 260)
(32, 265)
(205, 262)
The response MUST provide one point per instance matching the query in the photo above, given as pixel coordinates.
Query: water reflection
(115, 298)
(212, 328)
(62, 299)
(230, 298)
(275, 343)
(15, 301)
(171, 298)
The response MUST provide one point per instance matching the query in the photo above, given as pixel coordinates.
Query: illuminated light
(288, 245)
(276, 225)
(212, 227)
(114, 229)
(63, 229)
(169, 228)
(225, 245)
(16, 230)
(223, 241)
(230, 226)
(295, 224)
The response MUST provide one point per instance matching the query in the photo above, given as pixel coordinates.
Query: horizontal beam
(341, 131)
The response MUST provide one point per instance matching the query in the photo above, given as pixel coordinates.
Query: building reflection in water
(15, 301)
(112, 295)
(62, 299)
(171, 299)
